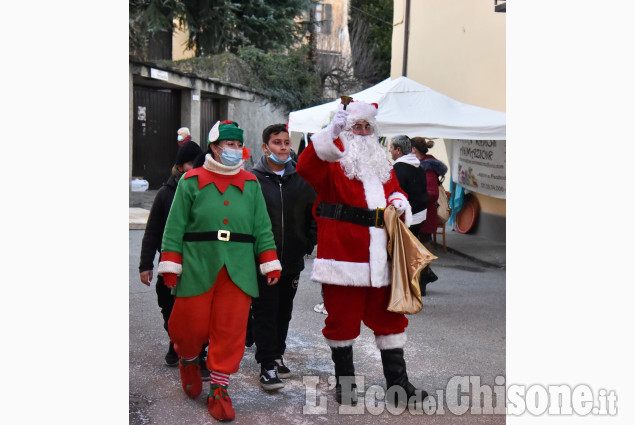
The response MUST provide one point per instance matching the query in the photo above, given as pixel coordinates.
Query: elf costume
(218, 225)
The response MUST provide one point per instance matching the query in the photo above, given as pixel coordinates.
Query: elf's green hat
(225, 130)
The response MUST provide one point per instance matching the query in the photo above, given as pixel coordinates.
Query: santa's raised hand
(339, 123)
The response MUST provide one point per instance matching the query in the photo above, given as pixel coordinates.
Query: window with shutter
(328, 19)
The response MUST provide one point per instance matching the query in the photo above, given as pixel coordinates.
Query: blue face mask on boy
(231, 156)
(277, 160)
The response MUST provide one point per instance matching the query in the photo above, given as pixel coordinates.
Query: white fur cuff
(324, 146)
(388, 342)
(338, 344)
(270, 266)
(340, 272)
(408, 217)
(170, 267)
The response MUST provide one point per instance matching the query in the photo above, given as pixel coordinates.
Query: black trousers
(414, 229)
(271, 314)
(165, 300)
(423, 237)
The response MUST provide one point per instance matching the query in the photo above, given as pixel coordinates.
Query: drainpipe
(406, 36)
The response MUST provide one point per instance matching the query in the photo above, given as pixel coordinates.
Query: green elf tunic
(208, 199)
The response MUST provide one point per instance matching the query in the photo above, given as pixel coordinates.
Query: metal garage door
(157, 118)
(210, 113)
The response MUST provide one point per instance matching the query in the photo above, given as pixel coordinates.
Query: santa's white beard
(365, 157)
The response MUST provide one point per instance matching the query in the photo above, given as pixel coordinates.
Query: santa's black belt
(357, 215)
(218, 235)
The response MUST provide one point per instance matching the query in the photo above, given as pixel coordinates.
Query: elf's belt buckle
(379, 218)
(223, 235)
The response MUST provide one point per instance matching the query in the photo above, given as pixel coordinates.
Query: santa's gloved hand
(339, 123)
(400, 205)
(170, 280)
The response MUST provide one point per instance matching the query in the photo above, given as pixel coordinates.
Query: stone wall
(247, 106)
(253, 116)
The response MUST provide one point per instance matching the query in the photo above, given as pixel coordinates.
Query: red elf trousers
(348, 306)
(218, 316)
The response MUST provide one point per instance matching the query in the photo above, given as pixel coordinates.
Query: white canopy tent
(407, 107)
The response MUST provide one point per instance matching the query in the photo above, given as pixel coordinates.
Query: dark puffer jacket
(151, 243)
(412, 180)
(289, 201)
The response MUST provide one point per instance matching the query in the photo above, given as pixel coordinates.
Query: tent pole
(406, 36)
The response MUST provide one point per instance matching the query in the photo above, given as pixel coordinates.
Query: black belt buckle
(379, 218)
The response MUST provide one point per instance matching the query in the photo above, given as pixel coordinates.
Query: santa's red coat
(347, 254)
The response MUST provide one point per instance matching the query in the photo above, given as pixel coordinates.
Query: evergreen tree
(216, 26)
(288, 78)
(272, 25)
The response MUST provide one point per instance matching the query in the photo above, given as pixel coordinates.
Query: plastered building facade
(456, 47)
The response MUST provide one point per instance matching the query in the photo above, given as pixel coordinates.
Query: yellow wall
(179, 52)
(456, 47)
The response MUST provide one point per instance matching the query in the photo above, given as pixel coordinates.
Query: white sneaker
(319, 308)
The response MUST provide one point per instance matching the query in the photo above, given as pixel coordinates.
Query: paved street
(461, 331)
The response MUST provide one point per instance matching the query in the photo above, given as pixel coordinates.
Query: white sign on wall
(480, 166)
(158, 74)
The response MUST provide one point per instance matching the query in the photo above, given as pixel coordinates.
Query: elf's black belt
(361, 216)
(218, 235)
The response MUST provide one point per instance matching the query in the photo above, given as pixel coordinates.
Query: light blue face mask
(179, 138)
(277, 160)
(231, 157)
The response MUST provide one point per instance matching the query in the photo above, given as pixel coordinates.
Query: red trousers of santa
(348, 306)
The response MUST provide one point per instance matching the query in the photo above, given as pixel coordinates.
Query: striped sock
(219, 378)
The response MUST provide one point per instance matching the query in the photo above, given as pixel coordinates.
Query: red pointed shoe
(219, 405)
(191, 377)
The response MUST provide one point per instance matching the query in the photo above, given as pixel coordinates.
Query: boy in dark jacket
(151, 243)
(289, 202)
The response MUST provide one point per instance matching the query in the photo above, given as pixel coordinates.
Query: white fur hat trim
(360, 111)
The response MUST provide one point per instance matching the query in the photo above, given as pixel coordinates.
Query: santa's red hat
(361, 111)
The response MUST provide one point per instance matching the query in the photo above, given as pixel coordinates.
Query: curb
(476, 260)
(137, 218)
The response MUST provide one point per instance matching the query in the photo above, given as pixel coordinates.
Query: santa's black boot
(343, 359)
(395, 374)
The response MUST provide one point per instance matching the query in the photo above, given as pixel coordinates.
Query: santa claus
(354, 182)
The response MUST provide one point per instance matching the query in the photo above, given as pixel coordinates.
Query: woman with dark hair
(434, 170)
(151, 243)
